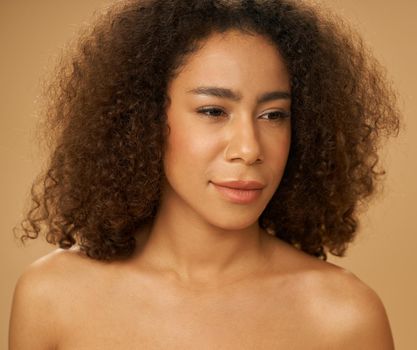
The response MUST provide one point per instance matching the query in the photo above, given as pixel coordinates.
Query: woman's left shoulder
(337, 303)
(356, 316)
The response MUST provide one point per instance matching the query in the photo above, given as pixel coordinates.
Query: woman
(206, 157)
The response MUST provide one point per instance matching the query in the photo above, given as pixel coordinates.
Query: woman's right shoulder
(52, 275)
(50, 269)
(40, 294)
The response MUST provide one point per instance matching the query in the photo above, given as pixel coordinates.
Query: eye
(277, 115)
(211, 112)
(215, 113)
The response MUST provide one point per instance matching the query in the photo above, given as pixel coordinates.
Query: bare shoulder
(40, 294)
(351, 314)
(57, 274)
(51, 271)
(356, 313)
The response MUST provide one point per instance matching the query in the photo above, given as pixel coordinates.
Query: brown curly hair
(104, 118)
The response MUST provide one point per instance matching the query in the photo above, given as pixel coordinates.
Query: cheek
(189, 146)
(285, 144)
(278, 150)
(285, 139)
(277, 143)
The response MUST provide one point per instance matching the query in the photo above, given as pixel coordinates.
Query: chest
(254, 319)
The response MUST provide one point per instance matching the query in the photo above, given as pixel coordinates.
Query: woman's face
(241, 131)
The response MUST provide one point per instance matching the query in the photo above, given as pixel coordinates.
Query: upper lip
(241, 184)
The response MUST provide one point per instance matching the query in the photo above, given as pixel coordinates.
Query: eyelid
(284, 114)
(202, 110)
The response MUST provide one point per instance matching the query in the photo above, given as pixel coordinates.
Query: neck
(192, 251)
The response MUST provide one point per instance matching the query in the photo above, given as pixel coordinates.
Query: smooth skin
(204, 274)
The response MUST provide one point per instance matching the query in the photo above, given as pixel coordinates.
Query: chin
(234, 223)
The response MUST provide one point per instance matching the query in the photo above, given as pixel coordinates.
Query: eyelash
(281, 114)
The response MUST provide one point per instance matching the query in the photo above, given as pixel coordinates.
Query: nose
(243, 143)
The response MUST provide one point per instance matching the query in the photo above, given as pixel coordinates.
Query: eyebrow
(236, 96)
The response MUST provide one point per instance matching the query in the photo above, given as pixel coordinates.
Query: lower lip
(238, 196)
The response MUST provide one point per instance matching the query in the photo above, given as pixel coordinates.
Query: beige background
(31, 35)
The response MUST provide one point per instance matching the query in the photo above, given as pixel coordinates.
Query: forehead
(234, 58)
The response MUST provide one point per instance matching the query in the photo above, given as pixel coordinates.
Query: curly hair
(104, 117)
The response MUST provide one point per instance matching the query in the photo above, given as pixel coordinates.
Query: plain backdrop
(32, 34)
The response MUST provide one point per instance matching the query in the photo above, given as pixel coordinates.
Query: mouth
(241, 184)
(239, 195)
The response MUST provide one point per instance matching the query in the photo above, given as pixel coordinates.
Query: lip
(241, 184)
(240, 195)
